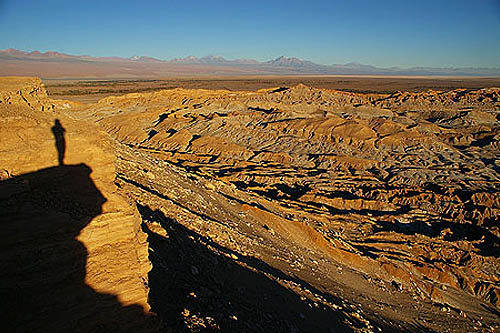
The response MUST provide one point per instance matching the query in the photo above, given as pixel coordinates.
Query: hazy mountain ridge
(42, 63)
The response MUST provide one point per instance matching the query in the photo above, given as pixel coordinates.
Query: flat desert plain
(89, 91)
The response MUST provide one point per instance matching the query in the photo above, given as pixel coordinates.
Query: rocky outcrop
(402, 189)
(74, 257)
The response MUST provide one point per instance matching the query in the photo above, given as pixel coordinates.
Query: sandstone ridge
(73, 255)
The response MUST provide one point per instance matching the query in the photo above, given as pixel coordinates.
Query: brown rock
(73, 255)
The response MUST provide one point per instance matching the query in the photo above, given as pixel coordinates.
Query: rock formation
(292, 208)
(73, 255)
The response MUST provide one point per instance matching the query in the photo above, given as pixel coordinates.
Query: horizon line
(249, 59)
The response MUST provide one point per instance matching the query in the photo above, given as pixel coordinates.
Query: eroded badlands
(286, 209)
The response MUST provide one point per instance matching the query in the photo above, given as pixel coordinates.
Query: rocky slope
(390, 199)
(73, 256)
(300, 209)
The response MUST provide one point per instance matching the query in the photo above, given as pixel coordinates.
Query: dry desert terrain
(291, 204)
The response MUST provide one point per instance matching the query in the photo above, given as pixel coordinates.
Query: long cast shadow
(43, 265)
(60, 141)
(194, 288)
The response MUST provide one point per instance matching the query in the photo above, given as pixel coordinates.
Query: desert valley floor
(258, 205)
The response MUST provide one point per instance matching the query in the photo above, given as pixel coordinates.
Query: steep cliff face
(73, 256)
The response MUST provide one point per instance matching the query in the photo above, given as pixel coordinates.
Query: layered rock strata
(402, 189)
(73, 256)
(285, 209)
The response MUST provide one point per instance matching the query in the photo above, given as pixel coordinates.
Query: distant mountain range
(60, 65)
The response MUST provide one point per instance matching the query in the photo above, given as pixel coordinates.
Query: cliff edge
(73, 256)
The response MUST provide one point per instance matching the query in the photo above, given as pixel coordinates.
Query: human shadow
(60, 141)
(43, 264)
(198, 285)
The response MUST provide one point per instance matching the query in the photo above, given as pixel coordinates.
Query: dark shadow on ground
(488, 245)
(42, 264)
(193, 275)
(60, 141)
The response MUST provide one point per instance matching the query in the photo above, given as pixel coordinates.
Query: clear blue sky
(449, 33)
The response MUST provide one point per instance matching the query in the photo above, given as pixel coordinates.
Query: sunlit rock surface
(73, 255)
(297, 209)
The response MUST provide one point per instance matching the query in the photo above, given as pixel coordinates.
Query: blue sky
(440, 33)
